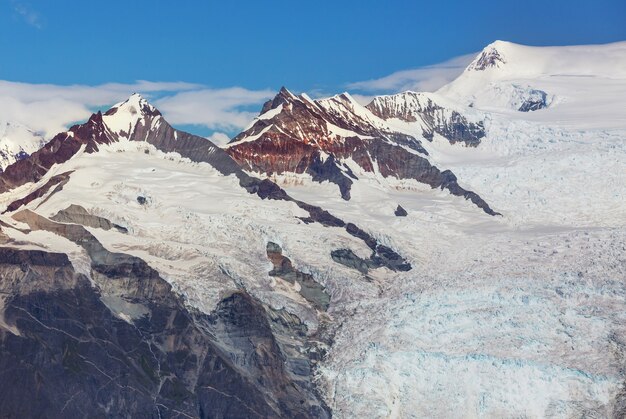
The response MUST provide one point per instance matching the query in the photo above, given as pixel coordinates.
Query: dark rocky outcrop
(400, 212)
(127, 346)
(25, 258)
(381, 255)
(450, 183)
(76, 214)
(347, 258)
(434, 117)
(329, 169)
(385, 256)
(310, 289)
(535, 100)
(57, 182)
(490, 57)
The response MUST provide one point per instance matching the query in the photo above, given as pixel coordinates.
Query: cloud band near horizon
(50, 109)
(423, 79)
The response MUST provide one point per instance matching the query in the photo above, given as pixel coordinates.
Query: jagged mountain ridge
(42, 177)
(133, 119)
(137, 120)
(322, 138)
(433, 114)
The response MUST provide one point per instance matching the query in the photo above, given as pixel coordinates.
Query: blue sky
(319, 47)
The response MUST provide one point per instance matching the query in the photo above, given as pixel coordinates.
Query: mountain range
(421, 255)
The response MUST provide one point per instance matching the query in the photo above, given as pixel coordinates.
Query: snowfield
(531, 325)
(201, 230)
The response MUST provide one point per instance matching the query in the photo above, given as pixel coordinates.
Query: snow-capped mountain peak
(286, 93)
(490, 57)
(134, 104)
(123, 118)
(405, 106)
(284, 96)
(132, 120)
(503, 60)
(506, 76)
(346, 98)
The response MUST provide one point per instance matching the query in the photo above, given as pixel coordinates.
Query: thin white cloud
(219, 139)
(25, 12)
(362, 99)
(50, 108)
(319, 93)
(88, 95)
(224, 109)
(423, 79)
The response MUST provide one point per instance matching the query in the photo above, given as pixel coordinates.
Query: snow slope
(583, 82)
(17, 141)
(124, 117)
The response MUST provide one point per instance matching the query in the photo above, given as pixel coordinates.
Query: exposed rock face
(126, 345)
(310, 289)
(295, 134)
(381, 254)
(488, 58)
(400, 212)
(347, 258)
(290, 331)
(298, 135)
(76, 214)
(55, 183)
(432, 116)
(535, 100)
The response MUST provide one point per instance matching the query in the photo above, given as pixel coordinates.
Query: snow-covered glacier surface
(525, 326)
(522, 315)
